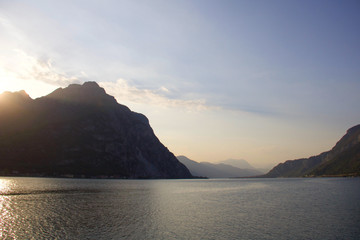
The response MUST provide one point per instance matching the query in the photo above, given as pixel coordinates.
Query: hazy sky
(264, 81)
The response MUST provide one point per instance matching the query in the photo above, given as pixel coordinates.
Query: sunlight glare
(10, 82)
(5, 186)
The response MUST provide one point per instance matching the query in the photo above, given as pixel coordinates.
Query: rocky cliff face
(80, 131)
(342, 160)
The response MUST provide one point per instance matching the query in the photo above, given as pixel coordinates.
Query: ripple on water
(40, 208)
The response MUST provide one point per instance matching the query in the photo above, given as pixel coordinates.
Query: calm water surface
(42, 208)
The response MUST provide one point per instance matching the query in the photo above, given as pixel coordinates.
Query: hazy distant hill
(239, 163)
(342, 160)
(80, 130)
(211, 170)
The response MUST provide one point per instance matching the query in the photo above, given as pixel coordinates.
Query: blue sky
(265, 81)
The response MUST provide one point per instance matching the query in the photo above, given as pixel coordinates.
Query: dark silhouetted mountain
(342, 160)
(211, 170)
(80, 131)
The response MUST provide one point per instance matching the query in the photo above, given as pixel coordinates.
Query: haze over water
(41, 208)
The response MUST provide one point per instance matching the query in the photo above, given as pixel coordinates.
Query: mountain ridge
(342, 160)
(239, 163)
(80, 131)
(212, 170)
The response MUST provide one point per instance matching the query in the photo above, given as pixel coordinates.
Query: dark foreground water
(41, 208)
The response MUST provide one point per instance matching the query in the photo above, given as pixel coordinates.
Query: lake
(299, 208)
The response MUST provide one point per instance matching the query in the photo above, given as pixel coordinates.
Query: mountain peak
(92, 84)
(88, 93)
(239, 163)
(216, 170)
(14, 100)
(92, 87)
(21, 95)
(342, 160)
(353, 129)
(80, 131)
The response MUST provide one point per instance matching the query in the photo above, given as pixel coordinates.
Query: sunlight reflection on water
(40, 208)
(202, 189)
(5, 185)
(8, 216)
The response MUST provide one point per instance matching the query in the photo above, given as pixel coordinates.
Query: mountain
(80, 131)
(342, 160)
(211, 170)
(239, 163)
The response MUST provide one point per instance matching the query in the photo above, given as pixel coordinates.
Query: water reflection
(35, 208)
(8, 216)
(74, 209)
(5, 185)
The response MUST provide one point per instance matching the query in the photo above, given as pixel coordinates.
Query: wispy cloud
(19, 64)
(161, 97)
(126, 92)
(23, 66)
(26, 67)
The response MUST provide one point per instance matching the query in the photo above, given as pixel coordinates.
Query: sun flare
(5, 185)
(10, 82)
(6, 82)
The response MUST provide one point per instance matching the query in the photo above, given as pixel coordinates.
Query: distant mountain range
(239, 163)
(219, 170)
(342, 160)
(80, 131)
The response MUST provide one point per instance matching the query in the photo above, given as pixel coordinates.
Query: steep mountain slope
(81, 131)
(342, 160)
(211, 170)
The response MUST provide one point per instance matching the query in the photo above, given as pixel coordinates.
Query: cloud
(26, 67)
(125, 92)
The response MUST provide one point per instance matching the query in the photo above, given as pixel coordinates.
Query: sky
(265, 81)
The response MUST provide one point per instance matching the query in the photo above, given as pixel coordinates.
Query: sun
(8, 81)
(11, 82)
(5, 85)
(20, 71)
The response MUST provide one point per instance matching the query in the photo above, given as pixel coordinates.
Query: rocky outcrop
(80, 131)
(342, 160)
